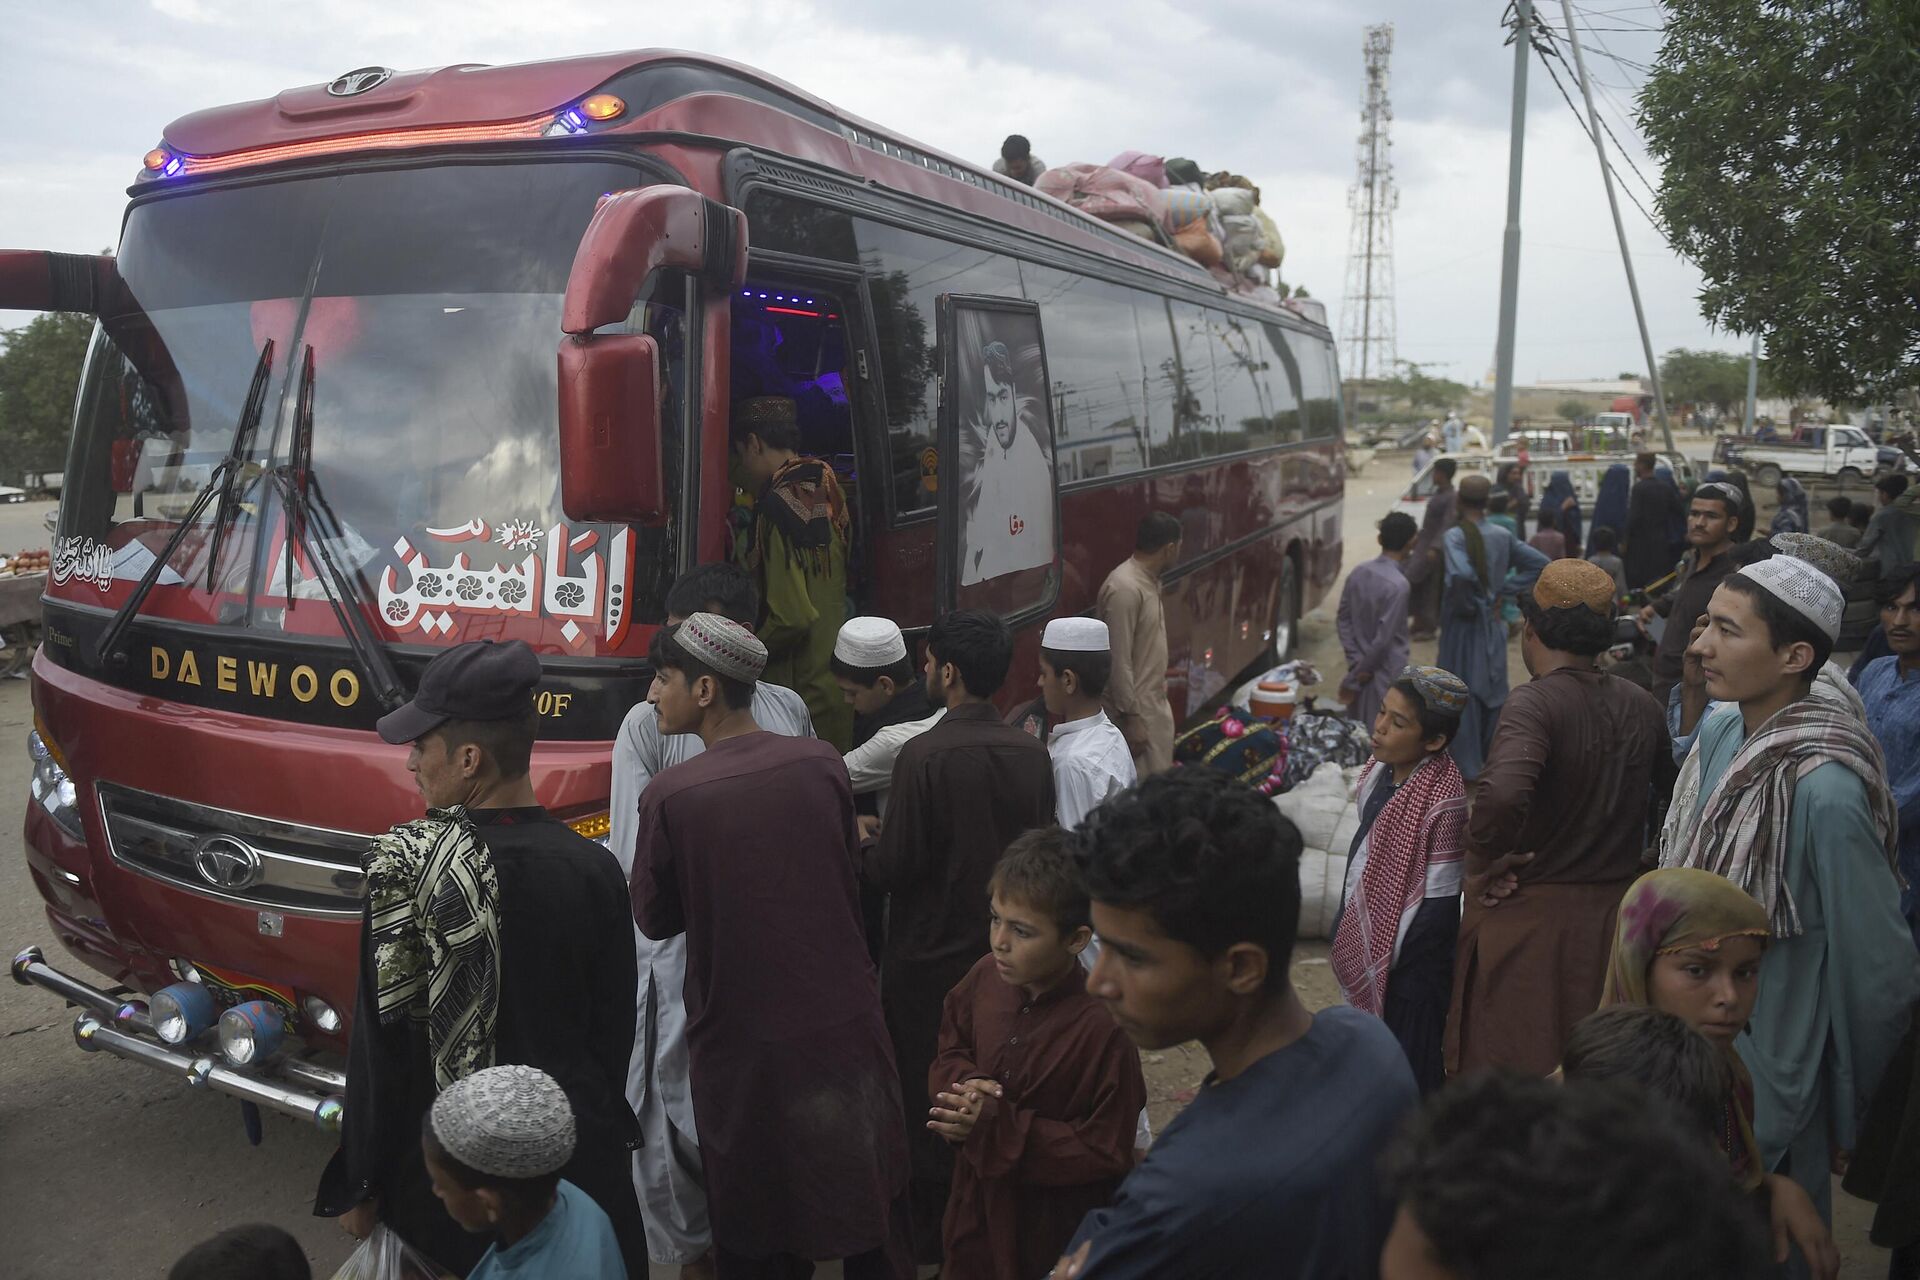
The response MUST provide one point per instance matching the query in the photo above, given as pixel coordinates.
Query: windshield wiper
(219, 485)
(300, 496)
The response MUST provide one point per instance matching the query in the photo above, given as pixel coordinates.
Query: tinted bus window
(1283, 386)
(1179, 360)
(906, 272)
(779, 225)
(1319, 392)
(1239, 354)
(1093, 354)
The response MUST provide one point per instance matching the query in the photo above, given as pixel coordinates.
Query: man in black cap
(494, 935)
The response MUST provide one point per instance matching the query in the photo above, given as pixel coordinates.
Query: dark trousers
(891, 1261)
(1420, 987)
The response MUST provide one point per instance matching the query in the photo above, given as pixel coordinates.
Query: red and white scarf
(1424, 823)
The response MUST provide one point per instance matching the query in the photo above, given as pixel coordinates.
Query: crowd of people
(1627, 974)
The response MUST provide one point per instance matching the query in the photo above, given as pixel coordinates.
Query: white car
(10, 494)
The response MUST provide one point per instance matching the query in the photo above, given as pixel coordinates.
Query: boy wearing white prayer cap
(1091, 759)
(889, 700)
(1785, 794)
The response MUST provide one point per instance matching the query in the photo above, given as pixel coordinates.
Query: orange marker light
(157, 158)
(603, 106)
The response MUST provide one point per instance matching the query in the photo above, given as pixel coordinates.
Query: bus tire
(1286, 613)
(1766, 475)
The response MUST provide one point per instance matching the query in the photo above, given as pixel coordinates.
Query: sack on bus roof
(1272, 248)
(1182, 172)
(1137, 226)
(1104, 193)
(1185, 206)
(1233, 201)
(1242, 242)
(1141, 165)
(1198, 243)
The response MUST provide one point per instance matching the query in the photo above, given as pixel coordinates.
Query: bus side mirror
(610, 385)
(610, 402)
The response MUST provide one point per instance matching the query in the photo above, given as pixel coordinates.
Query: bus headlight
(51, 788)
(251, 1033)
(321, 1015)
(179, 1013)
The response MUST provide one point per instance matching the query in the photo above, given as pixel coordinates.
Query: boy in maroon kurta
(1034, 1085)
(748, 849)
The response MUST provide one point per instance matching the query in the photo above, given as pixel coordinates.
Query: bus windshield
(429, 301)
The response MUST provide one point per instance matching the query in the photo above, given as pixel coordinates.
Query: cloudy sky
(1269, 88)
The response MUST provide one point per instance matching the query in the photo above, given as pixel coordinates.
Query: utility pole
(1367, 319)
(1619, 228)
(1510, 245)
(1753, 388)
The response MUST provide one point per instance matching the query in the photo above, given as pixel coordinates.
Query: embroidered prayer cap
(480, 680)
(1828, 557)
(765, 411)
(1568, 582)
(510, 1122)
(1802, 588)
(723, 646)
(1076, 635)
(870, 643)
(1439, 688)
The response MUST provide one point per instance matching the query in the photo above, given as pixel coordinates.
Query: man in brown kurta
(1130, 605)
(1025, 1176)
(961, 792)
(748, 849)
(1561, 819)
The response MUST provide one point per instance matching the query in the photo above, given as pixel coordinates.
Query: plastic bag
(383, 1255)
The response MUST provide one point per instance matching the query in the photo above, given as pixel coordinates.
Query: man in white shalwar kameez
(666, 1168)
(1091, 759)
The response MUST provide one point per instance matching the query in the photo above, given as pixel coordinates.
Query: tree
(1420, 389)
(1791, 163)
(39, 371)
(1714, 378)
(1572, 410)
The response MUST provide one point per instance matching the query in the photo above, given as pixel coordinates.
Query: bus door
(999, 507)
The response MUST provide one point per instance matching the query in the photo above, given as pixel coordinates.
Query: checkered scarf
(434, 911)
(1424, 823)
(1740, 829)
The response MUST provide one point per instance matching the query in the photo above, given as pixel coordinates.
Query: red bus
(323, 432)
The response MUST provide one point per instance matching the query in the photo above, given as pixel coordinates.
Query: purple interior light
(171, 167)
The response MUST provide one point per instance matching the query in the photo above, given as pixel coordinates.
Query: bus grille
(235, 857)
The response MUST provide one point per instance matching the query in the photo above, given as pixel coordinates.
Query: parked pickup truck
(1839, 451)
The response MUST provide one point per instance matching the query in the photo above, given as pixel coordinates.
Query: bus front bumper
(291, 1086)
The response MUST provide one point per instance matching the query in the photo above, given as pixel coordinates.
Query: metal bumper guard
(301, 1089)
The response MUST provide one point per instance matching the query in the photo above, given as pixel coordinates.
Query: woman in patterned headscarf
(1393, 947)
(1689, 943)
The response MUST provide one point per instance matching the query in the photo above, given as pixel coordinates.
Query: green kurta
(804, 597)
(1833, 1002)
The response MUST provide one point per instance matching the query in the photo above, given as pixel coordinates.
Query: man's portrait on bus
(1006, 449)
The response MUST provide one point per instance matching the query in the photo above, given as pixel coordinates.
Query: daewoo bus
(409, 359)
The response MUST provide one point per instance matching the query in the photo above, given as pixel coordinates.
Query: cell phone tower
(1369, 349)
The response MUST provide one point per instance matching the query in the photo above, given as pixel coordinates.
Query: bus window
(1093, 354)
(1319, 389)
(1283, 386)
(1179, 368)
(906, 272)
(1246, 410)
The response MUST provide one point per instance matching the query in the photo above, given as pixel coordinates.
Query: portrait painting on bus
(1006, 446)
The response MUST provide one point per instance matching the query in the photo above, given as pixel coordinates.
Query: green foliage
(39, 371)
(1786, 131)
(1715, 378)
(1573, 410)
(1419, 389)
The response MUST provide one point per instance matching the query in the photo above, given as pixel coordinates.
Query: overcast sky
(1268, 88)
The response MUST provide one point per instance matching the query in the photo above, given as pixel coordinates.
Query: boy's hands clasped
(963, 1106)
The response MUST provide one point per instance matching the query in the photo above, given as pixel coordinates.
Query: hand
(868, 827)
(1693, 669)
(1071, 1264)
(961, 1108)
(1499, 881)
(1795, 1221)
(360, 1220)
(1646, 614)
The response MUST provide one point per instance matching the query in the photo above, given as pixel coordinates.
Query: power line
(1581, 120)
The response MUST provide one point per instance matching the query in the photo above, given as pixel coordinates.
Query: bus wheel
(1286, 618)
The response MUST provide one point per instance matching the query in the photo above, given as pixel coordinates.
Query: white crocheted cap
(870, 643)
(1077, 635)
(1802, 588)
(511, 1122)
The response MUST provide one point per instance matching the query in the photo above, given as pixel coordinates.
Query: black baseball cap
(481, 680)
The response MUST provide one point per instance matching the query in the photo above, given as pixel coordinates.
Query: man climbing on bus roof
(1018, 162)
(796, 548)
